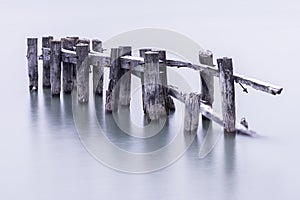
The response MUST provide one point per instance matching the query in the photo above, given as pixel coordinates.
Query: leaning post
(228, 93)
(207, 81)
(82, 67)
(125, 81)
(55, 67)
(46, 61)
(32, 58)
(98, 69)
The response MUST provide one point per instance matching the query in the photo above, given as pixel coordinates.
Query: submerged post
(82, 67)
(142, 54)
(125, 81)
(68, 68)
(207, 81)
(228, 93)
(153, 99)
(112, 94)
(192, 108)
(55, 67)
(46, 61)
(32, 58)
(98, 69)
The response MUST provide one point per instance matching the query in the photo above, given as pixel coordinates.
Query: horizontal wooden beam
(258, 85)
(68, 56)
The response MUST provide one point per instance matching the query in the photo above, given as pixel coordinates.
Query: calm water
(42, 156)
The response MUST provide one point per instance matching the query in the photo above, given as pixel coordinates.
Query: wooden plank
(68, 67)
(69, 56)
(258, 85)
(192, 109)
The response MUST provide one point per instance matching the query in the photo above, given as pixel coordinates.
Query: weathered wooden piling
(68, 67)
(169, 104)
(142, 54)
(32, 59)
(98, 69)
(228, 93)
(46, 61)
(192, 109)
(82, 67)
(207, 81)
(55, 67)
(125, 81)
(112, 94)
(75, 41)
(153, 99)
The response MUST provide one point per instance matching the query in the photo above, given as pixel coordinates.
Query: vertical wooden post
(68, 68)
(98, 69)
(125, 84)
(112, 94)
(32, 58)
(142, 54)
(169, 104)
(55, 67)
(153, 95)
(207, 81)
(82, 67)
(75, 41)
(228, 93)
(192, 108)
(46, 61)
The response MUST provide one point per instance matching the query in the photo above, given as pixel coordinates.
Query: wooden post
(192, 108)
(169, 104)
(154, 103)
(125, 84)
(32, 59)
(68, 68)
(228, 93)
(112, 94)
(207, 81)
(142, 54)
(46, 61)
(55, 67)
(98, 69)
(82, 67)
(75, 41)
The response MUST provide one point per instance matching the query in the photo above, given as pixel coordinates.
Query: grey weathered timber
(125, 81)
(55, 67)
(227, 93)
(68, 44)
(192, 109)
(75, 39)
(142, 54)
(32, 59)
(98, 69)
(153, 96)
(46, 61)
(112, 94)
(169, 103)
(258, 85)
(82, 67)
(207, 81)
